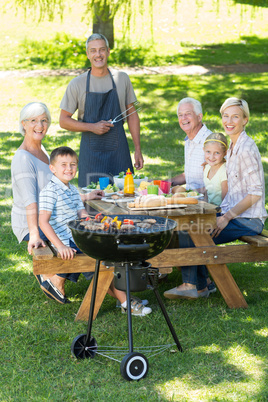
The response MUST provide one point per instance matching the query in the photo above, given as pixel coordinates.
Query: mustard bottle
(129, 187)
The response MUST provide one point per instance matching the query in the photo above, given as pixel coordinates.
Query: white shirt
(29, 175)
(245, 176)
(193, 159)
(63, 202)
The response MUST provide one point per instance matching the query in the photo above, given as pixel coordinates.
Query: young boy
(59, 203)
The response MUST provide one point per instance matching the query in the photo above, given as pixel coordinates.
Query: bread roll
(154, 201)
(186, 200)
(148, 201)
(178, 189)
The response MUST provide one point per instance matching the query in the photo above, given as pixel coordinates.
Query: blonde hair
(219, 138)
(31, 110)
(241, 103)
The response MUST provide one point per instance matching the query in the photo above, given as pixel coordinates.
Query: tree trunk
(103, 22)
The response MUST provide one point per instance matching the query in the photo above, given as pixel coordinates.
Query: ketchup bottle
(129, 187)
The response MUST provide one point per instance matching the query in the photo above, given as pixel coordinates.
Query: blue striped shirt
(63, 202)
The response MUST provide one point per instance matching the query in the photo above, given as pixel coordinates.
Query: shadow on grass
(212, 347)
(227, 53)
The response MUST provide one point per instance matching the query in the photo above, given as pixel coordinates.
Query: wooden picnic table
(197, 220)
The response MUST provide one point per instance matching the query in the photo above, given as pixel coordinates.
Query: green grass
(225, 351)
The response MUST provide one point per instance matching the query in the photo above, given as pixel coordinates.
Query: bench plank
(81, 263)
(257, 240)
(42, 253)
(209, 255)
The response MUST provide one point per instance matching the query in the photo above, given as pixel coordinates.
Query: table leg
(221, 275)
(104, 282)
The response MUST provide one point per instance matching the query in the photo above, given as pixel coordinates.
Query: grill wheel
(80, 350)
(134, 366)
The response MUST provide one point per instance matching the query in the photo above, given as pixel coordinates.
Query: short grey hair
(196, 105)
(241, 103)
(31, 110)
(97, 36)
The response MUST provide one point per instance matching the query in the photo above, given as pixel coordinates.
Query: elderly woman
(243, 208)
(30, 173)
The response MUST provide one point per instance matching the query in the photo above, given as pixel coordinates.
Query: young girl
(215, 178)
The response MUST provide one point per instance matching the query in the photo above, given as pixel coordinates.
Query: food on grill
(151, 221)
(144, 225)
(127, 227)
(101, 223)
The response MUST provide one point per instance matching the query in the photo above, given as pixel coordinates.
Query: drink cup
(104, 181)
(152, 189)
(165, 186)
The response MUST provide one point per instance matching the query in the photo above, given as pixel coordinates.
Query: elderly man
(190, 116)
(100, 95)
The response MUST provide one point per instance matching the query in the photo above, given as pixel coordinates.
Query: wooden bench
(46, 261)
(216, 258)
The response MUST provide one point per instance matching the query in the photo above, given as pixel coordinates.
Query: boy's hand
(66, 253)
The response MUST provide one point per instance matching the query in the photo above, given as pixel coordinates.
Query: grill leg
(129, 318)
(165, 314)
(92, 304)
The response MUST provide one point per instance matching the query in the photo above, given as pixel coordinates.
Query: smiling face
(98, 53)
(214, 153)
(36, 127)
(189, 121)
(233, 121)
(64, 168)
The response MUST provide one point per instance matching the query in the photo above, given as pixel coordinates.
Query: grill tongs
(124, 114)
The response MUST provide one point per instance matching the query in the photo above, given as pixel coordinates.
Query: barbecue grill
(126, 250)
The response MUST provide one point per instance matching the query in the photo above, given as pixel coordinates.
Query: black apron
(107, 154)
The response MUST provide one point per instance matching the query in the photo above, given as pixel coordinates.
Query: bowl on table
(119, 182)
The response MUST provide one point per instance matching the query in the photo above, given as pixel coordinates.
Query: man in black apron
(100, 95)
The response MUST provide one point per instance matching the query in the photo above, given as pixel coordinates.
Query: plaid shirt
(193, 158)
(63, 202)
(245, 176)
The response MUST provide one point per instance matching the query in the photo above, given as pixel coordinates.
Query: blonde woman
(243, 208)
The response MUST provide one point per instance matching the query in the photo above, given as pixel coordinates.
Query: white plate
(197, 197)
(108, 194)
(118, 200)
(88, 190)
(165, 207)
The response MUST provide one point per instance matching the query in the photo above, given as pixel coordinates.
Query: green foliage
(42, 8)
(60, 52)
(65, 51)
